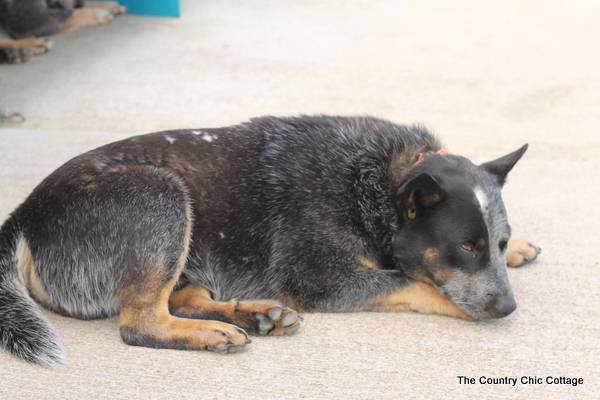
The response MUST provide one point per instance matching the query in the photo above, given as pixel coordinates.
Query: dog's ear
(501, 167)
(418, 195)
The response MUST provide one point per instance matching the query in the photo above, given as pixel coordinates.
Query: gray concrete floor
(485, 76)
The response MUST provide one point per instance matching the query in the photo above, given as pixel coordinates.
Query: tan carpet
(486, 76)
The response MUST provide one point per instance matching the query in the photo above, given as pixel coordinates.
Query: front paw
(520, 252)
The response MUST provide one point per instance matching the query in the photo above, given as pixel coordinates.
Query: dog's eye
(503, 244)
(466, 246)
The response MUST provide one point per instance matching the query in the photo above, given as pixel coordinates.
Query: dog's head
(454, 231)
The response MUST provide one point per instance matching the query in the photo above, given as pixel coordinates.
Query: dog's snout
(503, 306)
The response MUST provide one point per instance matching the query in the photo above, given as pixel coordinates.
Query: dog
(27, 21)
(172, 230)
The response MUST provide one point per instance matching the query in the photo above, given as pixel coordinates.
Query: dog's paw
(277, 321)
(267, 319)
(227, 339)
(520, 252)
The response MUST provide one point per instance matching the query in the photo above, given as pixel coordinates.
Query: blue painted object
(167, 8)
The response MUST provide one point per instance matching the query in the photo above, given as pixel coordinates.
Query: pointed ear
(418, 195)
(501, 167)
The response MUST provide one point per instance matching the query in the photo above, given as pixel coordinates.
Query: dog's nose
(504, 306)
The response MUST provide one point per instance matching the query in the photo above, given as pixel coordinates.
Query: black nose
(504, 306)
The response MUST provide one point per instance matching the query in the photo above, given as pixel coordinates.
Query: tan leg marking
(27, 274)
(259, 318)
(420, 297)
(520, 252)
(112, 6)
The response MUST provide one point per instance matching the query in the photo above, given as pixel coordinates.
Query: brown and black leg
(156, 242)
(520, 252)
(145, 321)
(257, 318)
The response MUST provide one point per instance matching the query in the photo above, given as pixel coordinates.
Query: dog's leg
(111, 6)
(259, 318)
(417, 296)
(145, 321)
(86, 17)
(520, 252)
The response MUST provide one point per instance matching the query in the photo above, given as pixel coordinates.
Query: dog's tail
(24, 330)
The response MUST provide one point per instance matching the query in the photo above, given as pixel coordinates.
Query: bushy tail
(24, 330)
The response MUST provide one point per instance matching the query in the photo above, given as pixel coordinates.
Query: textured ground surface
(485, 76)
